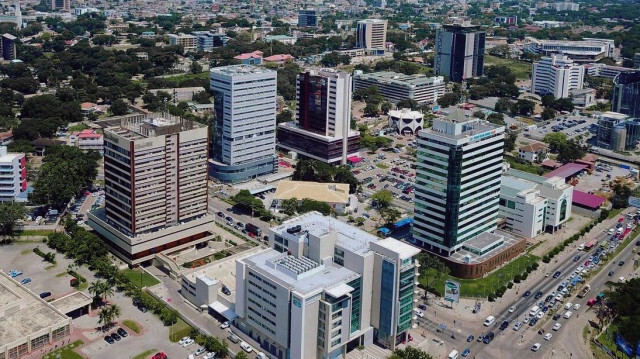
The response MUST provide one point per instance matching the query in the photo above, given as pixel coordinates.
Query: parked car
(188, 342)
(108, 339)
(200, 351)
(123, 333)
(246, 347)
(116, 337)
(224, 325)
(535, 347)
(517, 326)
(233, 338)
(25, 281)
(556, 326)
(45, 295)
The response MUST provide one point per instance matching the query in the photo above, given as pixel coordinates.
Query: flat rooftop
(135, 127)
(23, 313)
(404, 250)
(240, 70)
(71, 302)
(402, 79)
(314, 223)
(482, 241)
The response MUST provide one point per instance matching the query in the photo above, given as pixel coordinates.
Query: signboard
(634, 201)
(451, 291)
(623, 345)
(297, 302)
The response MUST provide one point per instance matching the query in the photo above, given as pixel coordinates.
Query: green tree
(383, 198)
(385, 107)
(408, 103)
(504, 105)
(241, 355)
(169, 316)
(202, 97)
(510, 141)
(571, 151)
(309, 205)
(479, 114)
(195, 68)
(95, 289)
(289, 206)
(548, 114)
(370, 110)
(523, 107)
(410, 353)
(621, 193)
(496, 118)
(119, 107)
(284, 116)
(432, 271)
(448, 100)
(556, 141)
(624, 299)
(10, 213)
(247, 202)
(389, 215)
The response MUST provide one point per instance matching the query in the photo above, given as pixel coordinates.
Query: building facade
(307, 18)
(207, 40)
(325, 288)
(534, 153)
(396, 87)
(87, 139)
(8, 47)
(372, 35)
(556, 75)
(585, 51)
(534, 204)
(457, 182)
(155, 186)
(459, 52)
(405, 121)
(606, 125)
(187, 41)
(64, 5)
(626, 94)
(322, 129)
(244, 138)
(13, 174)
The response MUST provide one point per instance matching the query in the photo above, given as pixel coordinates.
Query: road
(503, 344)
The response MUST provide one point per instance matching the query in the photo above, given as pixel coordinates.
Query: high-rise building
(64, 5)
(187, 41)
(372, 35)
(207, 41)
(8, 47)
(457, 182)
(617, 132)
(155, 169)
(322, 129)
(307, 18)
(556, 75)
(324, 286)
(626, 94)
(459, 52)
(395, 87)
(244, 138)
(13, 174)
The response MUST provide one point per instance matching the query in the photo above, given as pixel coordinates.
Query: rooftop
(587, 200)
(402, 79)
(323, 192)
(534, 147)
(71, 302)
(240, 70)
(566, 171)
(133, 127)
(248, 55)
(23, 313)
(404, 250)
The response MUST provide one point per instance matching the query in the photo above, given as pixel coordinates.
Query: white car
(224, 325)
(512, 309)
(188, 342)
(548, 336)
(419, 313)
(209, 356)
(610, 232)
(200, 351)
(184, 340)
(536, 346)
(567, 314)
(246, 347)
(568, 305)
(559, 297)
(621, 280)
(540, 315)
(629, 225)
(576, 306)
(556, 326)
(517, 326)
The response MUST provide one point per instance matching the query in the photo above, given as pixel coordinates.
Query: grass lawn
(66, 352)
(145, 354)
(382, 165)
(521, 69)
(132, 325)
(189, 76)
(179, 330)
(614, 213)
(136, 278)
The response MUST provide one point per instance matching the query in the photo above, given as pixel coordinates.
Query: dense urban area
(358, 179)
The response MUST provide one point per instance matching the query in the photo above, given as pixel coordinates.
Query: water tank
(618, 138)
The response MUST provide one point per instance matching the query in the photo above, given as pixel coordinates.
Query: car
(15, 273)
(108, 339)
(229, 219)
(548, 336)
(488, 338)
(422, 307)
(576, 306)
(480, 338)
(160, 355)
(556, 326)
(209, 355)
(419, 313)
(188, 342)
(142, 308)
(512, 309)
(25, 281)
(200, 351)
(226, 290)
(470, 338)
(504, 325)
(526, 320)
(517, 326)
(246, 347)
(548, 298)
(466, 352)
(116, 337)
(621, 263)
(535, 347)
(533, 321)
(568, 305)
(559, 297)
(556, 317)
(538, 295)
(225, 325)
(123, 333)
(233, 338)
(45, 295)
(544, 309)
(526, 294)
(540, 315)
(567, 314)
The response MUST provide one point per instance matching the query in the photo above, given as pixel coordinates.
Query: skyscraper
(458, 182)
(556, 75)
(459, 52)
(372, 35)
(626, 94)
(323, 116)
(244, 138)
(8, 47)
(307, 18)
(155, 169)
(61, 5)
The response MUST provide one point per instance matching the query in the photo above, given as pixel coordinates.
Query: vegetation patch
(179, 330)
(132, 325)
(140, 278)
(521, 69)
(66, 352)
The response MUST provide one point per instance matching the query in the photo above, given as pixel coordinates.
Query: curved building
(626, 93)
(405, 121)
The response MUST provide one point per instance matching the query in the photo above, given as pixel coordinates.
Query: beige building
(156, 186)
(188, 42)
(334, 194)
(372, 34)
(27, 322)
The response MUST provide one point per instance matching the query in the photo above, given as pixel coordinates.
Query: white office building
(457, 182)
(586, 50)
(372, 35)
(396, 87)
(533, 204)
(326, 287)
(244, 133)
(13, 174)
(556, 75)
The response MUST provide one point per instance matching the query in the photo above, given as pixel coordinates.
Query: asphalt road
(503, 344)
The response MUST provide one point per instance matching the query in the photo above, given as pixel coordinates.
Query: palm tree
(106, 290)
(114, 313)
(95, 288)
(103, 317)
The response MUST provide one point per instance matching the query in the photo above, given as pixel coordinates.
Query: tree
(385, 107)
(195, 68)
(410, 353)
(289, 206)
(548, 114)
(448, 100)
(500, 51)
(624, 299)
(246, 201)
(169, 316)
(318, 171)
(408, 103)
(503, 105)
(309, 205)
(496, 118)
(510, 141)
(10, 213)
(202, 97)
(523, 107)
(556, 141)
(571, 151)
(106, 290)
(284, 116)
(479, 114)
(119, 107)
(95, 289)
(621, 193)
(241, 355)
(370, 110)
(383, 198)
(389, 215)
(432, 271)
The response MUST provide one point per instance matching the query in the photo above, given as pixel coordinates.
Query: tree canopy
(318, 171)
(10, 213)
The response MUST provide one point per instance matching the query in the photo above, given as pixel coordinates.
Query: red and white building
(87, 140)
(13, 174)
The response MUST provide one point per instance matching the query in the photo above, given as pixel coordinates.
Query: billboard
(451, 291)
(623, 345)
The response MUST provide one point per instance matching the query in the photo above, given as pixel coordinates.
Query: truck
(253, 229)
(584, 291)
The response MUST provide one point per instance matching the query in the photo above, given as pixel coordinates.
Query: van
(453, 354)
(490, 319)
(488, 338)
(233, 338)
(534, 311)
